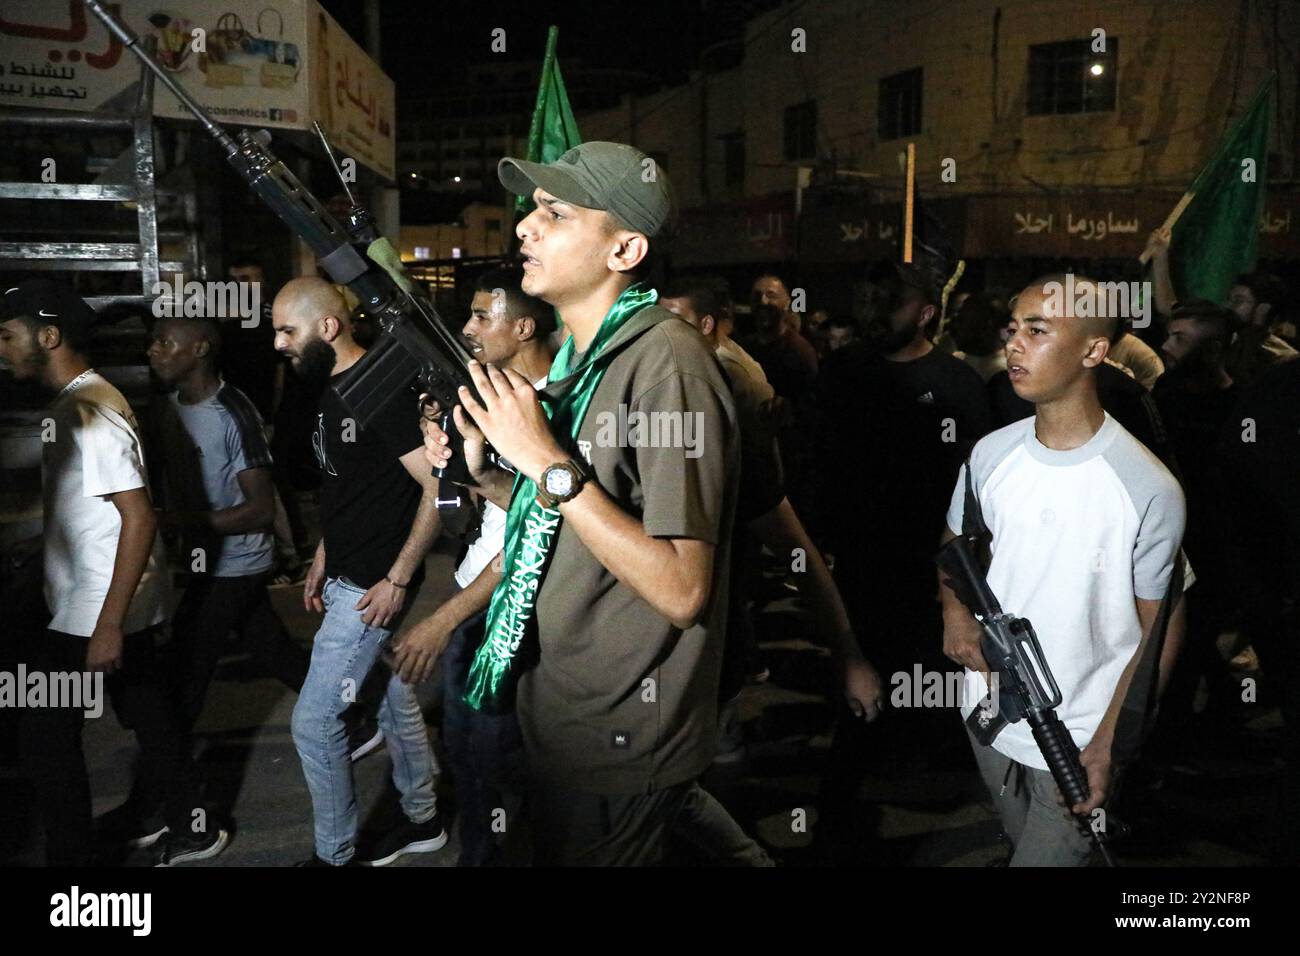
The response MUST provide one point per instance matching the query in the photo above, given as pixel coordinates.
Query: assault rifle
(1025, 686)
(415, 349)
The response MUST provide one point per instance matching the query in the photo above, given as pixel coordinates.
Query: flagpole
(1172, 218)
(908, 202)
(534, 145)
(535, 128)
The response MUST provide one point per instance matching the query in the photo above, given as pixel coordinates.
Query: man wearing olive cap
(606, 630)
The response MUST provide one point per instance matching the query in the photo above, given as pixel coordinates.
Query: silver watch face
(558, 482)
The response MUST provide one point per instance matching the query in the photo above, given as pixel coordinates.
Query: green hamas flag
(554, 130)
(1216, 238)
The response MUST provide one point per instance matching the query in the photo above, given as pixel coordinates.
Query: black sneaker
(129, 825)
(410, 837)
(191, 847)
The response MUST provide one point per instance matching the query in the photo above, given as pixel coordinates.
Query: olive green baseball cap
(615, 177)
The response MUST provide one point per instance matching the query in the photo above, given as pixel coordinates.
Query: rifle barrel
(132, 42)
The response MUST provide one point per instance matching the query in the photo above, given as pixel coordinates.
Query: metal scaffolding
(131, 179)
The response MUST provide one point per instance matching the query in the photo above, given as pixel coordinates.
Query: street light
(1097, 69)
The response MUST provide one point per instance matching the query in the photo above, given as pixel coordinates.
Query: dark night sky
(424, 39)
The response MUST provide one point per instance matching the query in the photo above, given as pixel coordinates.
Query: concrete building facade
(1101, 111)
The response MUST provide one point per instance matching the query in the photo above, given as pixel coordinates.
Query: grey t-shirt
(209, 444)
(620, 700)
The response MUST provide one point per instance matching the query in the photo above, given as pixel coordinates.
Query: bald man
(1086, 526)
(378, 518)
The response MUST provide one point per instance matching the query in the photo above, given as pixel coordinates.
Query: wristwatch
(561, 482)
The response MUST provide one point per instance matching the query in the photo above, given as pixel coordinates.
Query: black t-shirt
(884, 470)
(789, 362)
(249, 359)
(1195, 422)
(368, 500)
(1261, 444)
(952, 387)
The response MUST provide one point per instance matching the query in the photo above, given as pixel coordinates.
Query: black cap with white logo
(49, 303)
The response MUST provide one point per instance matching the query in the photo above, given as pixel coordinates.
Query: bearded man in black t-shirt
(378, 517)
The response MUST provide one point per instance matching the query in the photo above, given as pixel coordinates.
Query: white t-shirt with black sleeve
(1077, 536)
(95, 452)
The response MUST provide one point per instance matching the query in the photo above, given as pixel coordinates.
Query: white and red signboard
(282, 64)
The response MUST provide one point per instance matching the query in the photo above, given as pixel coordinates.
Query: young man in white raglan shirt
(105, 581)
(1086, 525)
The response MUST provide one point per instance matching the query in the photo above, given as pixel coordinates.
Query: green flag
(554, 130)
(1216, 238)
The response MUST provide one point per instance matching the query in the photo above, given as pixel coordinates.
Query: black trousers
(52, 751)
(486, 753)
(213, 607)
(897, 620)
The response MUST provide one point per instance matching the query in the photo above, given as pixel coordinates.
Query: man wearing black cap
(617, 539)
(105, 580)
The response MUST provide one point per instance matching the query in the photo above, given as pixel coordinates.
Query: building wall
(475, 235)
(1187, 69)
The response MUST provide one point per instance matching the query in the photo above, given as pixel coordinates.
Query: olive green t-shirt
(620, 700)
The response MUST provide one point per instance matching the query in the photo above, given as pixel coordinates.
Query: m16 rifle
(415, 348)
(1025, 687)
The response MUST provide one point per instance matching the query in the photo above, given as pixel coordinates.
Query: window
(801, 130)
(733, 159)
(1070, 77)
(899, 111)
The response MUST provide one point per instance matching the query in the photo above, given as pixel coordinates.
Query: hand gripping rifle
(1025, 686)
(415, 346)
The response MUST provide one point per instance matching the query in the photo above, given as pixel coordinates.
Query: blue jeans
(486, 753)
(344, 651)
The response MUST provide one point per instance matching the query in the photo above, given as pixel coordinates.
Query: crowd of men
(600, 623)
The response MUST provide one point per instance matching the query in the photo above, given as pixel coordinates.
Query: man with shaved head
(1086, 525)
(378, 518)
